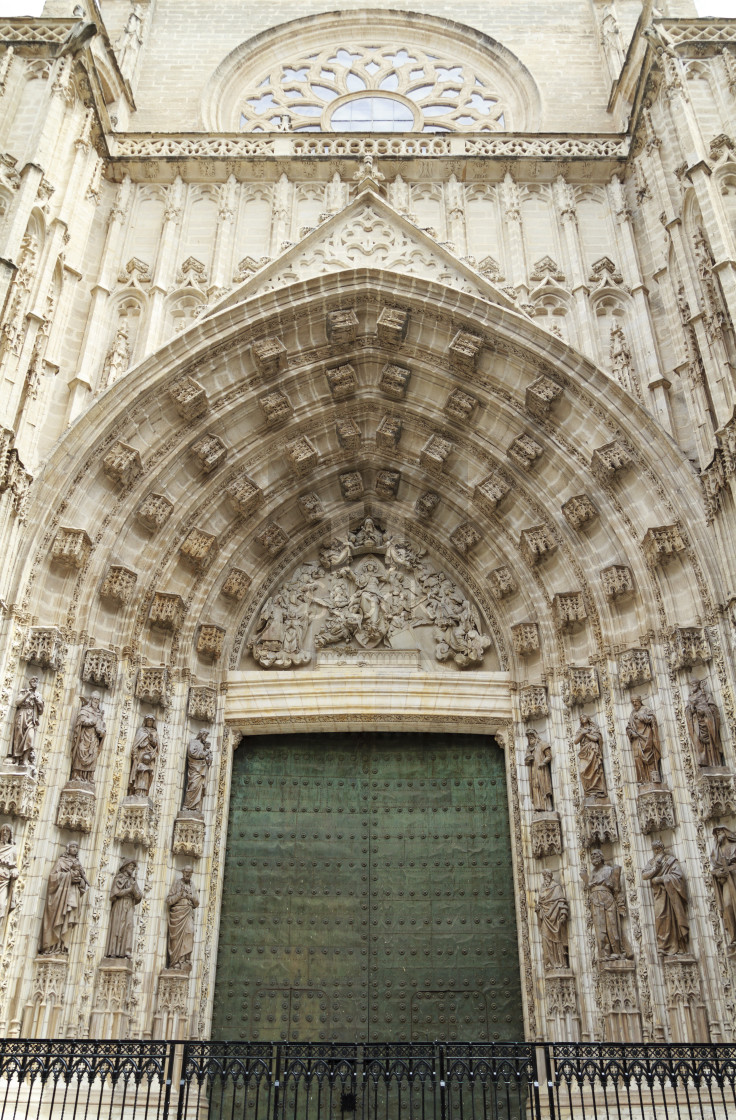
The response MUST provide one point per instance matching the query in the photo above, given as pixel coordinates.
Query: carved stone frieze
(388, 433)
(100, 667)
(122, 463)
(342, 382)
(662, 544)
(202, 703)
(43, 646)
(546, 835)
(189, 397)
(610, 460)
(276, 408)
(154, 511)
(210, 640)
(580, 685)
(152, 685)
(199, 549)
(71, 547)
(537, 543)
(464, 350)
(351, 485)
(634, 667)
(426, 505)
(579, 511)
(387, 484)
(465, 537)
(460, 405)
(209, 451)
(533, 703)
(272, 538)
(569, 610)
(311, 506)
(716, 794)
(599, 824)
(76, 809)
(392, 325)
(491, 491)
(525, 637)
(342, 327)
(435, 452)
(236, 584)
(269, 355)
(690, 646)
(244, 494)
(655, 808)
(302, 455)
(135, 820)
(17, 790)
(617, 580)
(524, 451)
(394, 381)
(348, 434)
(542, 395)
(188, 836)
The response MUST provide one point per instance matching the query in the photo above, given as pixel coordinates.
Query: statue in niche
(723, 866)
(553, 914)
(118, 356)
(589, 740)
(539, 760)
(67, 885)
(607, 907)
(367, 537)
(143, 759)
(181, 902)
(8, 870)
(28, 711)
(669, 888)
(704, 724)
(199, 760)
(87, 738)
(124, 897)
(643, 733)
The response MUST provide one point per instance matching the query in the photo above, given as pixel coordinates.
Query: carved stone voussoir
(662, 544)
(388, 433)
(655, 808)
(71, 547)
(122, 463)
(76, 807)
(502, 582)
(610, 460)
(269, 354)
(634, 667)
(599, 825)
(236, 584)
(342, 381)
(387, 484)
(134, 821)
(199, 549)
(43, 646)
(190, 399)
(302, 454)
(154, 511)
(464, 350)
(351, 485)
(580, 686)
(342, 327)
(209, 451)
(537, 543)
(533, 703)
(311, 506)
(273, 538)
(465, 538)
(426, 504)
(435, 452)
(188, 835)
(210, 640)
(569, 610)
(100, 667)
(541, 396)
(579, 511)
(17, 791)
(525, 636)
(394, 381)
(460, 405)
(617, 580)
(716, 794)
(690, 646)
(491, 491)
(152, 685)
(546, 835)
(348, 434)
(276, 408)
(524, 451)
(392, 325)
(244, 494)
(202, 703)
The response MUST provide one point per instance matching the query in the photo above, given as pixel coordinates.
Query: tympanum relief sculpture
(368, 590)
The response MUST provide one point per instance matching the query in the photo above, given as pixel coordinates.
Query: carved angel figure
(704, 724)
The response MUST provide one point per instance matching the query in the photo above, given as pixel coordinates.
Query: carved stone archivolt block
(542, 395)
(342, 327)
(569, 610)
(17, 790)
(533, 703)
(617, 580)
(100, 667)
(662, 544)
(210, 452)
(276, 408)
(188, 834)
(210, 640)
(43, 646)
(579, 511)
(489, 493)
(435, 453)
(546, 835)
(351, 485)
(716, 794)
(202, 703)
(580, 685)
(167, 611)
(610, 460)
(122, 464)
(465, 538)
(134, 821)
(537, 544)
(311, 506)
(273, 538)
(199, 549)
(503, 582)
(154, 511)
(655, 808)
(71, 547)
(152, 685)
(348, 434)
(190, 399)
(394, 381)
(302, 455)
(269, 355)
(76, 807)
(464, 350)
(388, 433)
(244, 494)
(342, 382)
(387, 484)
(690, 646)
(599, 824)
(524, 451)
(460, 405)
(118, 584)
(236, 584)
(392, 325)
(426, 505)
(525, 638)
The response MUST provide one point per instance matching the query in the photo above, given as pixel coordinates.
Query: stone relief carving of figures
(67, 885)
(87, 738)
(181, 902)
(704, 724)
(607, 907)
(143, 758)
(553, 914)
(199, 760)
(28, 711)
(589, 740)
(669, 888)
(539, 760)
(643, 733)
(124, 897)
(723, 866)
(368, 591)
(8, 870)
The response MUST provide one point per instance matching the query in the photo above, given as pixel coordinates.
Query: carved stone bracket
(489, 493)
(580, 686)
(276, 408)
(190, 399)
(17, 791)
(342, 327)
(348, 434)
(210, 641)
(118, 584)
(100, 667)
(460, 406)
(154, 511)
(392, 325)
(43, 646)
(569, 610)
(655, 807)
(524, 452)
(464, 350)
(525, 637)
(541, 396)
(388, 433)
(662, 544)
(620, 1000)
(426, 505)
(122, 464)
(634, 667)
(152, 685)
(716, 794)
(502, 583)
(599, 824)
(76, 807)
(351, 485)
(609, 461)
(202, 703)
(342, 382)
(690, 647)
(435, 453)
(199, 549)
(546, 833)
(579, 511)
(71, 547)
(465, 538)
(533, 703)
(209, 451)
(269, 354)
(394, 381)
(135, 820)
(311, 506)
(302, 455)
(236, 584)
(244, 494)
(167, 611)
(188, 834)
(537, 544)
(617, 580)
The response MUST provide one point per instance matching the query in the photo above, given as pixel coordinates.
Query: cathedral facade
(367, 510)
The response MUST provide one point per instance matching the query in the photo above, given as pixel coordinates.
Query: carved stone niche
(210, 640)
(302, 454)
(71, 547)
(464, 350)
(690, 647)
(269, 354)
(110, 1016)
(167, 611)
(541, 395)
(524, 451)
(202, 703)
(342, 381)
(134, 820)
(43, 646)
(716, 795)
(687, 1011)
(209, 451)
(190, 399)
(610, 460)
(42, 1011)
(388, 433)
(100, 667)
(351, 485)
(199, 549)
(236, 585)
(580, 686)
(569, 610)
(311, 506)
(394, 381)
(533, 703)
(525, 637)
(244, 494)
(460, 406)
(546, 835)
(171, 1018)
(617, 580)
(76, 806)
(152, 685)
(392, 325)
(426, 505)
(122, 464)
(118, 584)
(599, 824)
(655, 808)
(579, 511)
(387, 484)
(465, 538)
(342, 327)
(188, 837)
(273, 538)
(561, 1002)
(276, 408)
(348, 434)
(491, 491)
(17, 790)
(502, 582)
(154, 511)
(634, 667)
(435, 452)
(537, 543)
(619, 1001)
(662, 544)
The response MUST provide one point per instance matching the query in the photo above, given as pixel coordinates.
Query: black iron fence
(89, 1080)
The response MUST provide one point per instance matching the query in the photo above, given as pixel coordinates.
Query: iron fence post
(182, 1069)
(443, 1084)
(277, 1081)
(169, 1066)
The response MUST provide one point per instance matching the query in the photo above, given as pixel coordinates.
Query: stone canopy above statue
(369, 596)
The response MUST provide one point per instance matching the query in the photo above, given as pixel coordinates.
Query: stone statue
(589, 739)
(723, 865)
(8, 870)
(553, 913)
(704, 724)
(143, 758)
(124, 896)
(670, 901)
(608, 907)
(66, 886)
(28, 711)
(182, 900)
(118, 356)
(539, 760)
(199, 760)
(89, 732)
(643, 732)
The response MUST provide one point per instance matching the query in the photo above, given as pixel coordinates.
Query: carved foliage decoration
(617, 580)
(533, 703)
(690, 647)
(579, 511)
(580, 686)
(503, 582)
(610, 460)
(525, 636)
(152, 685)
(634, 667)
(202, 703)
(167, 611)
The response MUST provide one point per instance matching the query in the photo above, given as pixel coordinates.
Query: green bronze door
(369, 893)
